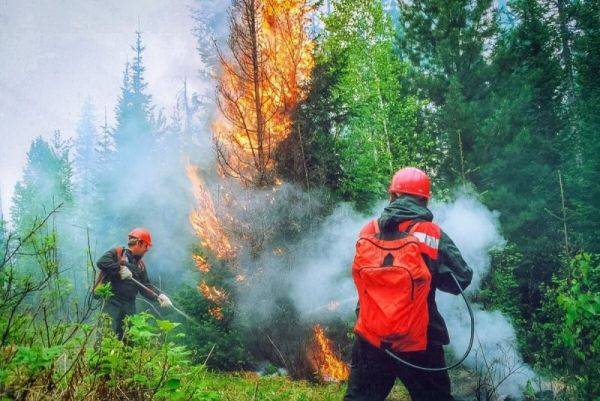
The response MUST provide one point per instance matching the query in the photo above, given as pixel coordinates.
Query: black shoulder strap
(397, 234)
(389, 235)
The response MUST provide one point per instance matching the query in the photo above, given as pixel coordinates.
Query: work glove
(125, 273)
(164, 301)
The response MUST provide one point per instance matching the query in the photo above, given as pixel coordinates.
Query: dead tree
(241, 134)
(269, 56)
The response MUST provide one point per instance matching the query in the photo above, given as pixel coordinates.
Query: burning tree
(262, 79)
(269, 58)
(206, 223)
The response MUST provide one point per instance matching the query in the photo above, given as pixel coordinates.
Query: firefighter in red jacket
(373, 372)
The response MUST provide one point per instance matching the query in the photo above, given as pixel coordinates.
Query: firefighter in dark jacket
(373, 372)
(117, 266)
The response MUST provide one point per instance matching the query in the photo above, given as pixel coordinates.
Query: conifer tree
(582, 177)
(85, 159)
(46, 182)
(134, 108)
(518, 152)
(446, 43)
(127, 155)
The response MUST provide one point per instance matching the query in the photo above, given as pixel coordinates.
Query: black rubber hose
(396, 357)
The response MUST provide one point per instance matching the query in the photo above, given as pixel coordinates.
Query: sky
(56, 53)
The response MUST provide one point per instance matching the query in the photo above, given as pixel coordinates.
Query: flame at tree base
(329, 366)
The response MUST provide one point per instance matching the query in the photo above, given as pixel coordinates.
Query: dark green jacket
(449, 259)
(125, 290)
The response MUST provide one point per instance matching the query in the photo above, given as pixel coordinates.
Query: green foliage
(500, 289)
(148, 362)
(46, 182)
(104, 291)
(368, 127)
(445, 43)
(217, 343)
(504, 98)
(148, 365)
(518, 150)
(35, 359)
(581, 145)
(568, 321)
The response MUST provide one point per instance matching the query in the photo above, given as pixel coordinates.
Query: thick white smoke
(323, 276)
(474, 230)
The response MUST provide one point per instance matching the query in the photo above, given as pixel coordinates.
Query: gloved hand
(164, 301)
(125, 273)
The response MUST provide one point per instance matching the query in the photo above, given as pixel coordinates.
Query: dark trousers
(118, 310)
(373, 373)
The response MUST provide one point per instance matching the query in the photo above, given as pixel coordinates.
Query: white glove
(125, 273)
(164, 301)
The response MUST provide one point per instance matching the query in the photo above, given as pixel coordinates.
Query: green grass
(251, 387)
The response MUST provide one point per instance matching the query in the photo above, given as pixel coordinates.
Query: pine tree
(85, 157)
(446, 43)
(127, 155)
(260, 85)
(46, 182)
(518, 153)
(582, 177)
(134, 108)
(140, 179)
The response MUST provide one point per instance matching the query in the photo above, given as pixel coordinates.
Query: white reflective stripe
(428, 240)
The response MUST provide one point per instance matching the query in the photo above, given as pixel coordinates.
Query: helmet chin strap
(402, 361)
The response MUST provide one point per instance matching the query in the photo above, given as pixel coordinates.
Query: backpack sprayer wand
(176, 309)
(397, 358)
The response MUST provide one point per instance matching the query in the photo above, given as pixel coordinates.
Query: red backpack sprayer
(394, 281)
(393, 284)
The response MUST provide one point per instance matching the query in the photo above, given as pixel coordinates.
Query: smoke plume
(475, 231)
(321, 287)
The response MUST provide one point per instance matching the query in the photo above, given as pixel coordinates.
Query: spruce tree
(46, 182)
(581, 181)
(127, 156)
(446, 43)
(85, 159)
(134, 108)
(518, 153)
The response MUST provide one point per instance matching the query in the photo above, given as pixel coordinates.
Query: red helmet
(141, 234)
(411, 180)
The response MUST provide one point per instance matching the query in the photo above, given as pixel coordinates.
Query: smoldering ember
(358, 200)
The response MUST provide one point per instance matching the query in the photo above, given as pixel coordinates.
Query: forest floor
(251, 387)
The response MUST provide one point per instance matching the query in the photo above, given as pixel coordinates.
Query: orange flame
(212, 293)
(329, 366)
(201, 263)
(204, 219)
(257, 95)
(216, 312)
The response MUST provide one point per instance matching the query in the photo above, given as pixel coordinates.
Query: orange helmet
(141, 234)
(411, 180)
